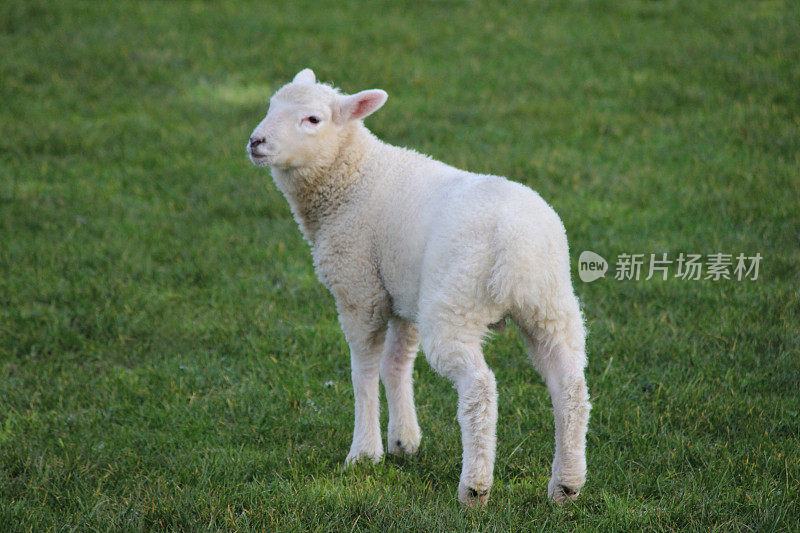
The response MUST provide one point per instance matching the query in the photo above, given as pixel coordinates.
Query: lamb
(416, 251)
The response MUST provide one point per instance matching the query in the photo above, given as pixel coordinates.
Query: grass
(169, 361)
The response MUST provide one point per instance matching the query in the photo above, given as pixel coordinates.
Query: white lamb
(416, 250)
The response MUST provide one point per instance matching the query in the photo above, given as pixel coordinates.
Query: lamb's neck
(317, 193)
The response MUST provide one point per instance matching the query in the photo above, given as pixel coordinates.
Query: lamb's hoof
(561, 493)
(362, 456)
(472, 497)
(404, 443)
(402, 449)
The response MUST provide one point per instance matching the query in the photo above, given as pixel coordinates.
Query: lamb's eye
(314, 120)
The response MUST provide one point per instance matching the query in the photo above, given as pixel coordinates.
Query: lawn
(168, 359)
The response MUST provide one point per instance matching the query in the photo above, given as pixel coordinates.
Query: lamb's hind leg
(557, 351)
(397, 365)
(456, 354)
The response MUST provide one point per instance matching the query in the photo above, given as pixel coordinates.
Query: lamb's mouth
(259, 159)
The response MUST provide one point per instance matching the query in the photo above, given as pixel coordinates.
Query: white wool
(416, 251)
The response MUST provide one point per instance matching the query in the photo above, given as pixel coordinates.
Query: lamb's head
(307, 123)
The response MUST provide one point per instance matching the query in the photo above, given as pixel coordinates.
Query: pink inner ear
(363, 106)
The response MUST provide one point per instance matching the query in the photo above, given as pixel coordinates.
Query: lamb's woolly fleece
(416, 250)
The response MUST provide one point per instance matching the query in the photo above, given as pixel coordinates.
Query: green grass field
(168, 359)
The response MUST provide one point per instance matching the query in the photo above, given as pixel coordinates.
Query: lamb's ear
(359, 105)
(305, 76)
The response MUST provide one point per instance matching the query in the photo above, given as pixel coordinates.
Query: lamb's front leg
(397, 365)
(365, 356)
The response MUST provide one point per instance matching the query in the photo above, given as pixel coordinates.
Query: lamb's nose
(255, 141)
